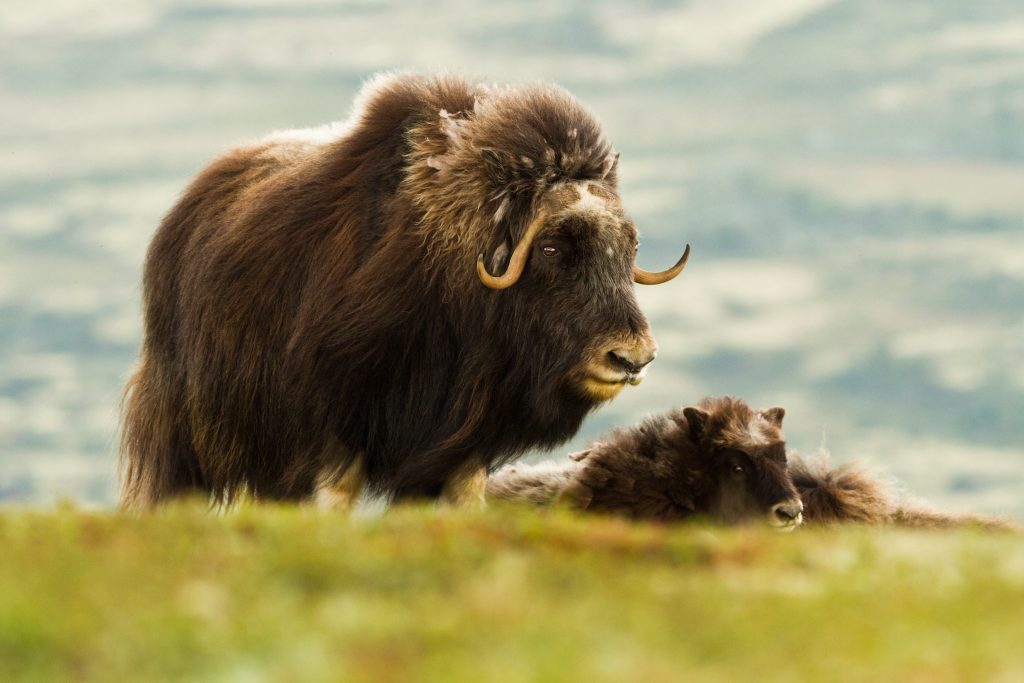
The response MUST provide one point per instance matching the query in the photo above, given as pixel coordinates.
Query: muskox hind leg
(467, 486)
(157, 461)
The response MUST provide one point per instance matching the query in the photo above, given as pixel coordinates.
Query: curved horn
(646, 277)
(517, 263)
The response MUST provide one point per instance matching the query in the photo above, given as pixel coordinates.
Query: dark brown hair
(854, 493)
(315, 311)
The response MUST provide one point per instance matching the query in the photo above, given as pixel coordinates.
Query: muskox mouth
(603, 386)
(617, 378)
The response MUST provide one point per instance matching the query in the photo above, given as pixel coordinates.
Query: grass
(284, 594)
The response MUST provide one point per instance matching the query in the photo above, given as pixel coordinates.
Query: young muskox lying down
(721, 459)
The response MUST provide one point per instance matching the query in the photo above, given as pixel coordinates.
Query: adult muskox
(317, 317)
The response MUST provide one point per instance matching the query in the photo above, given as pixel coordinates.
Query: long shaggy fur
(671, 466)
(312, 301)
(854, 493)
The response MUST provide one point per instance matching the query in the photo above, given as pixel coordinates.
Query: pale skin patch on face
(597, 204)
(588, 201)
(467, 487)
(338, 489)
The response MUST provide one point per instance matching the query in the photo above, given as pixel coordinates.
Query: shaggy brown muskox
(322, 310)
(721, 459)
(852, 493)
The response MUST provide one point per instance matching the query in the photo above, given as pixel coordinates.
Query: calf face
(745, 470)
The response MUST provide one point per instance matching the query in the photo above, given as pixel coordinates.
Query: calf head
(744, 463)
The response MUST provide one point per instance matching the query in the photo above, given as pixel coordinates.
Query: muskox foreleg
(338, 487)
(467, 486)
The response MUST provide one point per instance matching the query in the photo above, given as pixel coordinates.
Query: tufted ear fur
(774, 416)
(696, 419)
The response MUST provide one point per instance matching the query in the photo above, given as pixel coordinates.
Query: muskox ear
(774, 416)
(696, 419)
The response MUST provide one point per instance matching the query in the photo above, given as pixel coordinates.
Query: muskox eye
(549, 250)
(737, 470)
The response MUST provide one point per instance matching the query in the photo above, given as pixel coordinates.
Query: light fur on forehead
(588, 201)
(754, 432)
(734, 424)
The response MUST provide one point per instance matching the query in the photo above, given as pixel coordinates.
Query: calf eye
(549, 250)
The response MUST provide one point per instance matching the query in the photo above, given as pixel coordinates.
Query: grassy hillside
(284, 595)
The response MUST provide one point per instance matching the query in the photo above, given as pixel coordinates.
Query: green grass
(284, 594)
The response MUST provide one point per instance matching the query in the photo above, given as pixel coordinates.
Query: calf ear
(696, 419)
(774, 416)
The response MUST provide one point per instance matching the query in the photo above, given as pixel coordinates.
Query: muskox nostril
(788, 511)
(630, 361)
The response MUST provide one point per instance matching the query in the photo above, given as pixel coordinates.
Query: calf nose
(788, 511)
(632, 360)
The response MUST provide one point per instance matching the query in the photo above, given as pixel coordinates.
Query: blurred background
(850, 174)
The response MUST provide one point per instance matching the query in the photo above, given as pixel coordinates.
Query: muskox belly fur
(721, 460)
(400, 303)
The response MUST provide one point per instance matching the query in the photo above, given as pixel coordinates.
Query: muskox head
(576, 261)
(532, 183)
(744, 463)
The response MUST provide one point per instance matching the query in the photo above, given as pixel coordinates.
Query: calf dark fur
(721, 459)
(322, 311)
(853, 493)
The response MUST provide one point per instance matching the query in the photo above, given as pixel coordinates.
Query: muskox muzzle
(787, 515)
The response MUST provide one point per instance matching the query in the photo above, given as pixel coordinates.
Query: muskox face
(745, 460)
(573, 273)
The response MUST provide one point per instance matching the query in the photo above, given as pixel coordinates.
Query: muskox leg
(157, 459)
(467, 486)
(338, 486)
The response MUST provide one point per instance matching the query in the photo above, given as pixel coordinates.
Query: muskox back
(399, 302)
